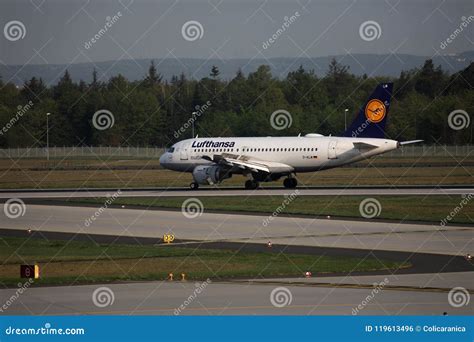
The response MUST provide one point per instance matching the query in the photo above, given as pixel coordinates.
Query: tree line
(151, 112)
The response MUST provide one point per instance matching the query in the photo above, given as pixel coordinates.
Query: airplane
(265, 159)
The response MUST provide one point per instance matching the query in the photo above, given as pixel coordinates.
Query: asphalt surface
(363, 234)
(428, 281)
(403, 294)
(165, 298)
(181, 192)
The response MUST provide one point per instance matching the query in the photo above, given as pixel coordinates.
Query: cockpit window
(170, 149)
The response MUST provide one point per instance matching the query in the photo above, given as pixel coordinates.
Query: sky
(60, 32)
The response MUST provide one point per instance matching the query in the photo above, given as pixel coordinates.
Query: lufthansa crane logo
(375, 111)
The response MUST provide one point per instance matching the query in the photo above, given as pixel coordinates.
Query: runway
(363, 234)
(164, 298)
(228, 191)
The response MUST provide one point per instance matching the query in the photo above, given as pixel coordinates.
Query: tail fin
(370, 122)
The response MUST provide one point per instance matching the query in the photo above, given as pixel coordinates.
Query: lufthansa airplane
(264, 159)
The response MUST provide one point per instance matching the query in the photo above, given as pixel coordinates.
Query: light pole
(345, 118)
(47, 135)
(192, 121)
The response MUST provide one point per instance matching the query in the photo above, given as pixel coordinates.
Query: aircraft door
(184, 152)
(332, 154)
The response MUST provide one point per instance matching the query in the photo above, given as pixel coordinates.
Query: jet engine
(204, 174)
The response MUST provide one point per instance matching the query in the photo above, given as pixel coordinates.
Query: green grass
(404, 208)
(130, 172)
(74, 262)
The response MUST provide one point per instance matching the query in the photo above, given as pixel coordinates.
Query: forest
(158, 112)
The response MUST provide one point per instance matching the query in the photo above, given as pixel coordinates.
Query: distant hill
(370, 64)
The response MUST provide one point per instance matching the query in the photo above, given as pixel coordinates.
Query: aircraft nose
(163, 159)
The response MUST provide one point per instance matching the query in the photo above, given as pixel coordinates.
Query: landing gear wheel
(251, 184)
(194, 186)
(290, 183)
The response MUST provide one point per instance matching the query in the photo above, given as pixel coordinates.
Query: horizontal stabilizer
(364, 146)
(410, 142)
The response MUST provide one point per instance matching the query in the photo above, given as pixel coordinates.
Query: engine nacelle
(204, 174)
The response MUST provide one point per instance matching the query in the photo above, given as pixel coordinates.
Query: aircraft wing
(253, 165)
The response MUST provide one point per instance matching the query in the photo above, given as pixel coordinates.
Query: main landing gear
(194, 186)
(290, 183)
(251, 184)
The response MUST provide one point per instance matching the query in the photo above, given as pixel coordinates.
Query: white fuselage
(308, 153)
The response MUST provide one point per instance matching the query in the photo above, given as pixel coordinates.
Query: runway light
(328, 217)
(123, 206)
(269, 244)
(469, 257)
(170, 277)
(29, 231)
(183, 277)
(308, 274)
